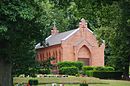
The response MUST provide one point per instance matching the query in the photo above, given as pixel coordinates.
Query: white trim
(70, 34)
(103, 41)
(48, 37)
(90, 30)
(37, 46)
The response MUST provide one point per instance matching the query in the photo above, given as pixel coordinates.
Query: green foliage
(77, 75)
(102, 72)
(79, 65)
(68, 70)
(98, 69)
(32, 72)
(89, 73)
(84, 83)
(104, 69)
(63, 64)
(88, 68)
(44, 71)
(47, 63)
(23, 24)
(109, 69)
(105, 75)
(110, 20)
(45, 66)
(116, 35)
(33, 82)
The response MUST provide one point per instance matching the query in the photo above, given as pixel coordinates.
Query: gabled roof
(56, 39)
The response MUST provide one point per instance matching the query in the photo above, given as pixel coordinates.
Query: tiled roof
(56, 39)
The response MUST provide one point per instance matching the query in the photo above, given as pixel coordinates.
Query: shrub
(89, 73)
(44, 71)
(88, 68)
(104, 69)
(32, 72)
(77, 75)
(78, 64)
(109, 69)
(100, 68)
(84, 83)
(105, 75)
(100, 72)
(68, 70)
(33, 82)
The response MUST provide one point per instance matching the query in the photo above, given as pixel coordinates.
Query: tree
(18, 31)
(116, 35)
(114, 28)
(22, 25)
(47, 63)
(110, 20)
(122, 41)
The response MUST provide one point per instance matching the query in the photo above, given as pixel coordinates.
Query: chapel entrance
(84, 60)
(84, 55)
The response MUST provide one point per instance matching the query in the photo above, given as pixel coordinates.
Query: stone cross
(83, 23)
(54, 30)
(54, 24)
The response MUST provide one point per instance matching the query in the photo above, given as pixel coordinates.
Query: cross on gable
(83, 23)
(54, 30)
(54, 24)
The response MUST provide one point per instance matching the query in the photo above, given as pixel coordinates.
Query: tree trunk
(126, 72)
(6, 78)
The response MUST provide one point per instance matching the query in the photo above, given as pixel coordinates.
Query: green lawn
(113, 83)
(72, 80)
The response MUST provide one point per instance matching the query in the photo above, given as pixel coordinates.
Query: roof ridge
(70, 34)
(67, 31)
(58, 38)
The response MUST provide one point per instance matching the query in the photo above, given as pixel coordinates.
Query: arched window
(84, 55)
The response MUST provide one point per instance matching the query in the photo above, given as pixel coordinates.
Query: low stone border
(40, 75)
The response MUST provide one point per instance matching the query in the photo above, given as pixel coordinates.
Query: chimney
(54, 30)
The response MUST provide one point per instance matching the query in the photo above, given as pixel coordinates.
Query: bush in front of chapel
(77, 64)
(68, 70)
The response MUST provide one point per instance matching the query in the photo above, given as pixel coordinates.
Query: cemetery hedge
(77, 64)
(68, 70)
(99, 68)
(33, 82)
(102, 72)
(105, 74)
(44, 71)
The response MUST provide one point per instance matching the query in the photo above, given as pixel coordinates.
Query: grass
(65, 80)
(73, 81)
(113, 83)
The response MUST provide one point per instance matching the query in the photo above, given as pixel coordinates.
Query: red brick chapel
(75, 45)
